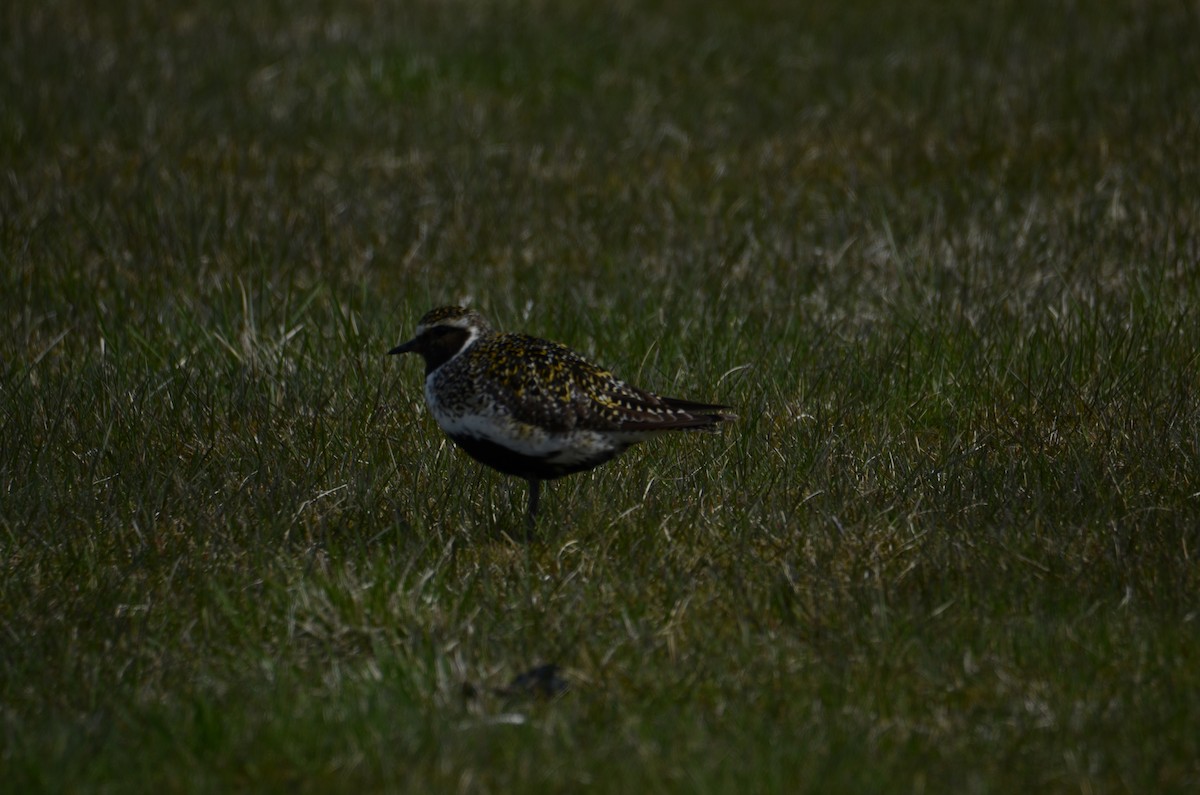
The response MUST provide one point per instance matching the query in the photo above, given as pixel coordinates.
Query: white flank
(495, 425)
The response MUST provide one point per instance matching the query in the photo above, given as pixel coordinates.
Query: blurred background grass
(943, 260)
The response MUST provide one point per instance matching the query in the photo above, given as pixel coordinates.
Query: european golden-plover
(534, 408)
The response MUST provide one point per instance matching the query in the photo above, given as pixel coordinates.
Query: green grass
(945, 261)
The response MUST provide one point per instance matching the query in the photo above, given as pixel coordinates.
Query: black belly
(524, 466)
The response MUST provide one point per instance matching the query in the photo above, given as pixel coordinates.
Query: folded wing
(551, 386)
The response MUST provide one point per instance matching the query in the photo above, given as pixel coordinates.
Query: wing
(547, 384)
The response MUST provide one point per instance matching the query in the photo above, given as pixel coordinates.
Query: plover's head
(443, 333)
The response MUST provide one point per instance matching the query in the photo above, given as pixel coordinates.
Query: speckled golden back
(547, 384)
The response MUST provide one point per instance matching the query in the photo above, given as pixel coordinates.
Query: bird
(536, 409)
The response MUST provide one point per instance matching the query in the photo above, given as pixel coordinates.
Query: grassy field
(943, 258)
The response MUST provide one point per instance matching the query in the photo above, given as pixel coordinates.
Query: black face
(436, 345)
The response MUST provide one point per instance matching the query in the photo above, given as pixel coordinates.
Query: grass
(943, 260)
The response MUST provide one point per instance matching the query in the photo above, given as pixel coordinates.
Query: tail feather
(685, 415)
(718, 410)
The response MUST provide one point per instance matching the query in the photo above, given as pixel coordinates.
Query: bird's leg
(535, 487)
